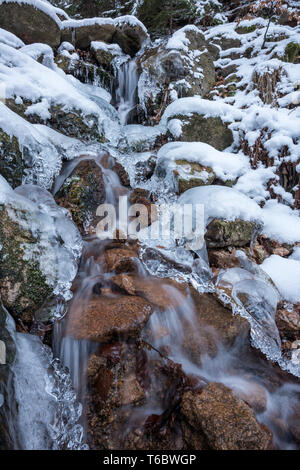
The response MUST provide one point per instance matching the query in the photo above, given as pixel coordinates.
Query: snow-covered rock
(32, 20)
(40, 246)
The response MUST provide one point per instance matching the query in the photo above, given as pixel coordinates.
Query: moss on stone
(224, 233)
(292, 52)
(23, 287)
(211, 130)
(193, 178)
(246, 29)
(12, 164)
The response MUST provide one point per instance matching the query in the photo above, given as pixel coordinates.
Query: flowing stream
(51, 392)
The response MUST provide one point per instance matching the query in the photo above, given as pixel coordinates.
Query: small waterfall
(126, 91)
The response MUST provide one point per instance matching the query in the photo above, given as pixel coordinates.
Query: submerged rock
(214, 327)
(226, 421)
(30, 22)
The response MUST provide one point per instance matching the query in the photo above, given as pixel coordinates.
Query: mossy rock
(210, 130)
(224, 233)
(70, 123)
(84, 71)
(156, 14)
(82, 192)
(23, 287)
(29, 23)
(247, 29)
(292, 53)
(192, 174)
(12, 164)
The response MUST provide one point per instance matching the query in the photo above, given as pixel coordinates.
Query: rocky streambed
(139, 342)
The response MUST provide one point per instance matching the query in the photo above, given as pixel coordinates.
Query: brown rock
(121, 260)
(226, 421)
(223, 259)
(122, 173)
(29, 23)
(105, 318)
(83, 35)
(162, 293)
(130, 391)
(124, 282)
(287, 319)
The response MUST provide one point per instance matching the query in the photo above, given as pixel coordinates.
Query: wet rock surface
(82, 192)
(106, 318)
(227, 422)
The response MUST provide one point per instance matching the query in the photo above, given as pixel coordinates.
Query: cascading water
(49, 414)
(126, 90)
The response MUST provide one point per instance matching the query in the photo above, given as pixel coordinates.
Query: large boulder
(72, 123)
(32, 23)
(200, 128)
(226, 422)
(128, 32)
(130, 35)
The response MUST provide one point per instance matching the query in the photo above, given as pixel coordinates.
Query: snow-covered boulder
(190, 164)
(45, 95)
(40, 246)
(195, 119)
(127, 31)
(31, 20)
(31, 153)
(231, 218)
(181, 66)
